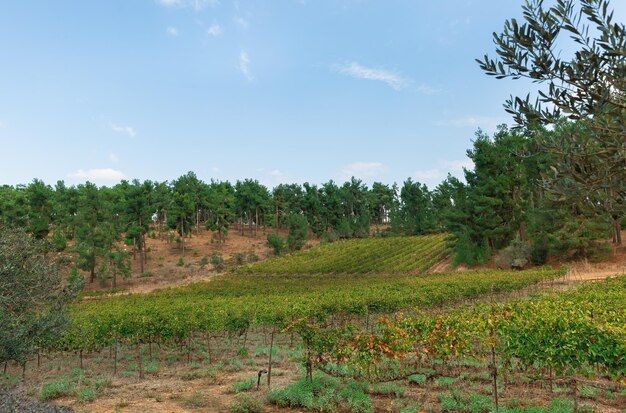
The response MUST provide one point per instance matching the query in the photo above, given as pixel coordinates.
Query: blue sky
(279, 91)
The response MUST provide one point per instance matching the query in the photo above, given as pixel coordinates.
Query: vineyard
(576, 339)
(239, 302)
(381, 255)
(464, 341)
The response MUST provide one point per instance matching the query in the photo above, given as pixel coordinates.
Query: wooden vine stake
(269, 367)
(115, 358)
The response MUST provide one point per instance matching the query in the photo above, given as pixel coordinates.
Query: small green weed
(246, 404)
(445, 382)
(243, 385)
(418, 379)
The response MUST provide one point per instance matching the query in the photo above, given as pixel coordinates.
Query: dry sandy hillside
(163, 268)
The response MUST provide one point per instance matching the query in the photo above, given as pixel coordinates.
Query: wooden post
(269, 367)
(494, 372)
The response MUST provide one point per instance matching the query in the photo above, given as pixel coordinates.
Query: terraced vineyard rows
(558, 335)
(382, 255)
(237, 302)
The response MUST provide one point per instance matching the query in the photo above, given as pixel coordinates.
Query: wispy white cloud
(275, 176)
(114, 158)
(244, 65)
(354, 69)
(241, 22)
(428, 175)
(433, 176)
(197, 5)
(457, 165)
(362, 170)
(172, 31)
(98, 175)
(428, 90)
(214, 30)
(126, 130)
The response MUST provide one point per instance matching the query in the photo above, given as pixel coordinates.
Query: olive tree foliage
(588, 86)
(32, 296)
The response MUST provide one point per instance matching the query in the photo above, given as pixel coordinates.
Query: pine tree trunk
(618, 231)
(182, 237)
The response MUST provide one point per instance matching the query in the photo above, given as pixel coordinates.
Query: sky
(281, 91)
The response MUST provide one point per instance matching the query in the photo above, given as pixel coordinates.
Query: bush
(239, 258)
(180, 262)
(86, 394)
(324, 394)
(194, 400)
(517, 255)
(418, 379)
(252, 257)
(203, 262)
(246, 404)
(243, 385)
(539, 253)
(218, 262)
(276, 243)
(330, 236)
(56, 389)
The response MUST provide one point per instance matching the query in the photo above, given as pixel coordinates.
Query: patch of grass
(8, 380)
(411, 408)
(478, 403)
(588, 392)
(479, 376)
(234, 366)
(56, 389)
(245, 404)
(194, 400)
(264, 351)
(151, 367)
(388, 389)
(243, 385)
(324, 394)
(86, 394)
(426, 371)
(418, 379)
(445, 382)
(242, 352)
(146, 274)
(192, 375)
(560, 390)
(451, 402)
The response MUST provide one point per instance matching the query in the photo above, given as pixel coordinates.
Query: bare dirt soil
(163, 267)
